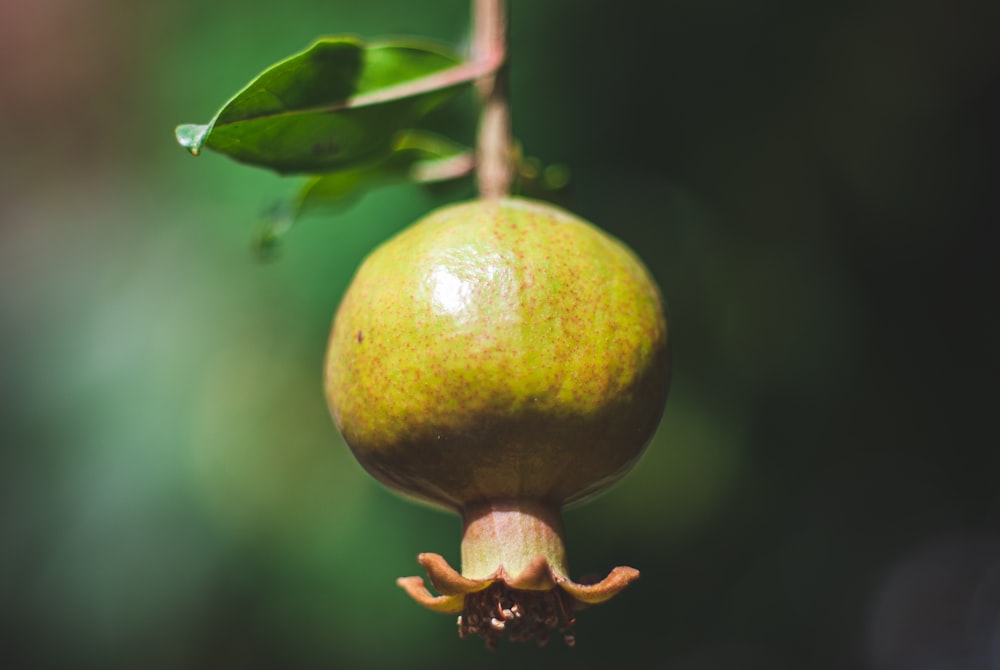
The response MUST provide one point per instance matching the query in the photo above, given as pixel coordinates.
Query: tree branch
(494, 167)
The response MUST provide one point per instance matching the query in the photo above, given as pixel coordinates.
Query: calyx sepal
(525, 606)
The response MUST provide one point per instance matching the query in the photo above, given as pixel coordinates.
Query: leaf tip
(192, 136)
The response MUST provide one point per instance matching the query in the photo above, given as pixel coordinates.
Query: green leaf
(337, 104)
(416, 156)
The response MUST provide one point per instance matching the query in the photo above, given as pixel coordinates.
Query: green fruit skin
(495, 350)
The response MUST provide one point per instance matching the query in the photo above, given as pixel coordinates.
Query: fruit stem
(494, 165)
(510, 534)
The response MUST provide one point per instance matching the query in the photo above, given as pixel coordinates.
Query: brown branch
(494, 165)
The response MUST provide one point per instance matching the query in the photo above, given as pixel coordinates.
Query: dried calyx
(527, 595)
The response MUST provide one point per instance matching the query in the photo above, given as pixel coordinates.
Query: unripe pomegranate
(501, 359)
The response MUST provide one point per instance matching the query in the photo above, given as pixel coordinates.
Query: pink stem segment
(494, 170)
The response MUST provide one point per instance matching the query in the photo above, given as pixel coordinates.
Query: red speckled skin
(499, 350)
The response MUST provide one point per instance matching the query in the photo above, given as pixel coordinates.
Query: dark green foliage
(333, 106)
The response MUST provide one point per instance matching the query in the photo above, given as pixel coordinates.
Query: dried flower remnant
(529, 606)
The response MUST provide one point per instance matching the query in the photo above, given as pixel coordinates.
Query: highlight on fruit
(499, 359)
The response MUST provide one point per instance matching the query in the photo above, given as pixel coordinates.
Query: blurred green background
(814, 185)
